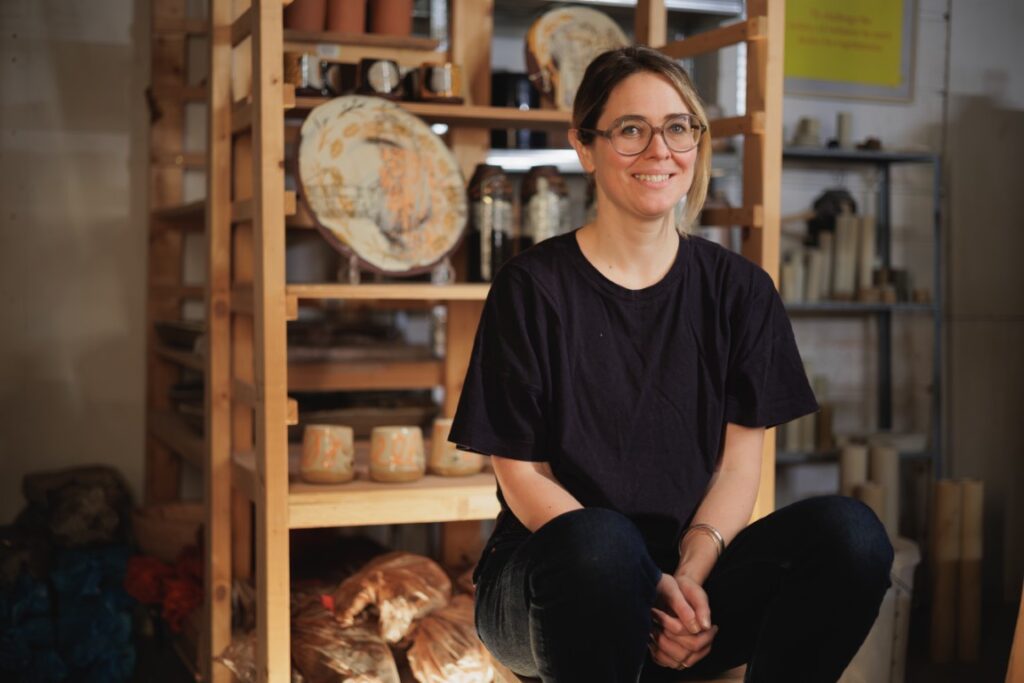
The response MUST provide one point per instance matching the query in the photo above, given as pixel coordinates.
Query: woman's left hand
(683, 631)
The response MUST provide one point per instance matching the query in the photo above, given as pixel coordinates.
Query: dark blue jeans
(794, 595)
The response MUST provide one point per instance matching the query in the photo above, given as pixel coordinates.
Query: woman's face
(649, 185)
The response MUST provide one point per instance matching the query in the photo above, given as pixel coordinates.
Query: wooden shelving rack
(244, 453)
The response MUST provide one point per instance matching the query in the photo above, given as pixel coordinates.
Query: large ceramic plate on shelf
(561, 44)
(381, 184)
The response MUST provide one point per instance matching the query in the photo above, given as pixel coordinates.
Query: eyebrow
(629, 117)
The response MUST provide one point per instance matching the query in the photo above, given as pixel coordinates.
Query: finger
(668, 622)
(668, 646)
(679, 604)
(660, 657)
(693, 643)
(697, 599)
(697, 656)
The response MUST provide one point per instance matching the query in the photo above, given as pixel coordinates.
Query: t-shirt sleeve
(501, 408)
(766, 384)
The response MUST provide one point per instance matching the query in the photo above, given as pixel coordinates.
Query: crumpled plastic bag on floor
(446, 649)
(400, 587)
(326, 652)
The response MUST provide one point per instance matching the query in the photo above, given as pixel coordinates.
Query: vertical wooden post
(460, 541)
(650, 24)
(217, 470)
(273, 647)
(472, 28)
(166, 140)
(242, 363)
(762, 178)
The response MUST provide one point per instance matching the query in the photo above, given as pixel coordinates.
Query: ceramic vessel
(346, 16)
(328, 455)
(306, 15)
(391, 17)
(447, 460)
(396, 454)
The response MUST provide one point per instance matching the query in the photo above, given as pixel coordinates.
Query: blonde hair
(611, 68)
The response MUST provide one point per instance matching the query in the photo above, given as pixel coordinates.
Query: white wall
(986, 276)
(983, 240)
(72, 246)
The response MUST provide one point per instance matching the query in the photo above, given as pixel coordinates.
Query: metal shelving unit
(882, 162)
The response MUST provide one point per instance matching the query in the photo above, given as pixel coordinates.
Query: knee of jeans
(859, 540)
(601, 548)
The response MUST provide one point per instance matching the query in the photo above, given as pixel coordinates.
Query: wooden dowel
(853, 468)
(968, 636)
(884, 469)
(946, 538)
(872, 495)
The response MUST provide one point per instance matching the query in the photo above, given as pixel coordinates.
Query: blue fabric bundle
(76, 628)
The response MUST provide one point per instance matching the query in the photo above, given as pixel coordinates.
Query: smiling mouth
(652, 177)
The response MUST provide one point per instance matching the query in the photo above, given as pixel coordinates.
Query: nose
(658, 148)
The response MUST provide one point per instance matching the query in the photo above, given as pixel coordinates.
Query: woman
(622, 377)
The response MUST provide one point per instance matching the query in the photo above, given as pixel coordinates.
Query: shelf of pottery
(338, 320)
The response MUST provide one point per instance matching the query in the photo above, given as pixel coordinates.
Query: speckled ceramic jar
(396, 454)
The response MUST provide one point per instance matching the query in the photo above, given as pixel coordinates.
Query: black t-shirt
(626, 393)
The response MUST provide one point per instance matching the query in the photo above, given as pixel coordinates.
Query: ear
(584, 152)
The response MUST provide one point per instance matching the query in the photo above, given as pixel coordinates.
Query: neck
(632, 254)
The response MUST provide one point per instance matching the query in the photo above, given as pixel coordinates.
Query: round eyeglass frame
(607, 134)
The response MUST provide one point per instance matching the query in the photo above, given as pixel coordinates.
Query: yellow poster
(854, 41)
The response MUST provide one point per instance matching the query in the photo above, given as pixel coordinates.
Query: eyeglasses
(632, 136)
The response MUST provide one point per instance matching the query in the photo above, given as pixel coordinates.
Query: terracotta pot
(346, 16)
(306, 15)
(391, 17)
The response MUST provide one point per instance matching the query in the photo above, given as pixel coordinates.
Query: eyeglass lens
(632, 136)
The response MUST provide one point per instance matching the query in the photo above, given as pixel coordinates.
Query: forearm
(532, 491)
(728, 503)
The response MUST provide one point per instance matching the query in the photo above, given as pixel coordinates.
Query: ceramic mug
(396, 454)
(447, 460)
(328, 454)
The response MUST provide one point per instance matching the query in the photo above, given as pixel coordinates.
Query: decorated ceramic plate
(381, 184)
(562, 43)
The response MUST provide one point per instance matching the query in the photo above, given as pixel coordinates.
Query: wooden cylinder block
(884, 469)
(968, 637)
(946, 537)
(872, 495)
(853, 468)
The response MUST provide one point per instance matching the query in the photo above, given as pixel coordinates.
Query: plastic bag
(240, 658)
(325, 652)
(446, 649)
(400, 586)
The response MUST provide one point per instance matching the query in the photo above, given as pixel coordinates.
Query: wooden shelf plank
(754, 28)
(751, 124)
(189, 26)
(179, 93)
(171, 430)
(241, 28)
(361, 502)
(749, 217)
(365, 376)
(422, 291)
(196, 160)
(346, 40)
(470, 115)
(189, 211)
(186, 359)
(241, 211)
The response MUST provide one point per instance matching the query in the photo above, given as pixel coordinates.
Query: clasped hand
(683, 632)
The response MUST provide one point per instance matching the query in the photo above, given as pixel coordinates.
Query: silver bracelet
(711, 531)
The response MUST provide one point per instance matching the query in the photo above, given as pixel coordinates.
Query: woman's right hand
(683, 632)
